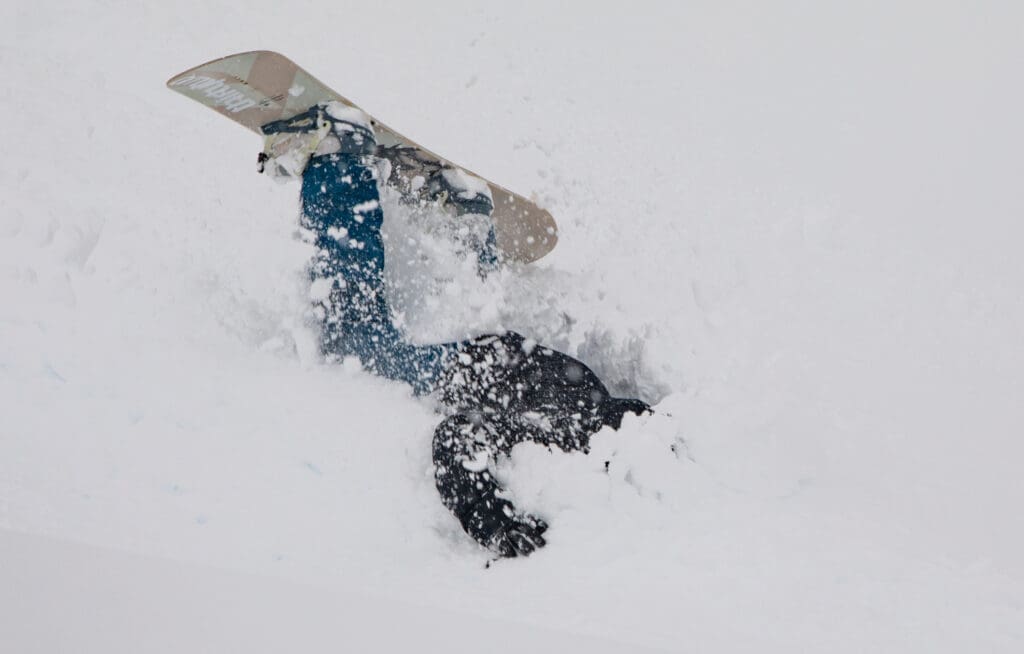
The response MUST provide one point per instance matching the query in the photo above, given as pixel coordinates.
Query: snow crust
(795, 228)
(467, 186)
(346, 114)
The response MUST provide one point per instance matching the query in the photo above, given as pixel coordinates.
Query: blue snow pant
(503, 389)
(341, 206)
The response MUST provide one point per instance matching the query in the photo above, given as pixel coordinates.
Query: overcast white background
(794, 226)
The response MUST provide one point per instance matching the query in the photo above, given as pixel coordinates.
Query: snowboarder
(501, 389)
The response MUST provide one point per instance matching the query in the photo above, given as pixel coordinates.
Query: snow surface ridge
(810, 262)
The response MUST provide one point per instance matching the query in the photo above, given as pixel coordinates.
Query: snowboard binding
(423, 180)
(325, 128)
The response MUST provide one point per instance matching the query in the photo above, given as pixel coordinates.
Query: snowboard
(255, 88)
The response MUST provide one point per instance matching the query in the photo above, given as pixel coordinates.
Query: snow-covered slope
(795, 227)
(76, 598)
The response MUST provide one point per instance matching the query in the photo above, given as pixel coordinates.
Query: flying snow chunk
(364, 207)
(478, 463)
(339, 234)
(320, 290)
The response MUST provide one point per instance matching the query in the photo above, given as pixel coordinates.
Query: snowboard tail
(255, 88)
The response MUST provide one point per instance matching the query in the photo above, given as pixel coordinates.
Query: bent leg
(510, 391)
(465, 449)
(509, 374)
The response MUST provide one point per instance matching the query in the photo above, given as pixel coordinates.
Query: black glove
(520, 537)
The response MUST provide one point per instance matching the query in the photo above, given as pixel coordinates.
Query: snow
(467, 186)
(794, 227)
(347, 116)
(140, 594)
(365, 207)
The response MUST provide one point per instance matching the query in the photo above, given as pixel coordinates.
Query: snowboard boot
(328, 128)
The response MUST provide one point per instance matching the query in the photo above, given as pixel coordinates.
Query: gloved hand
(522, 536)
